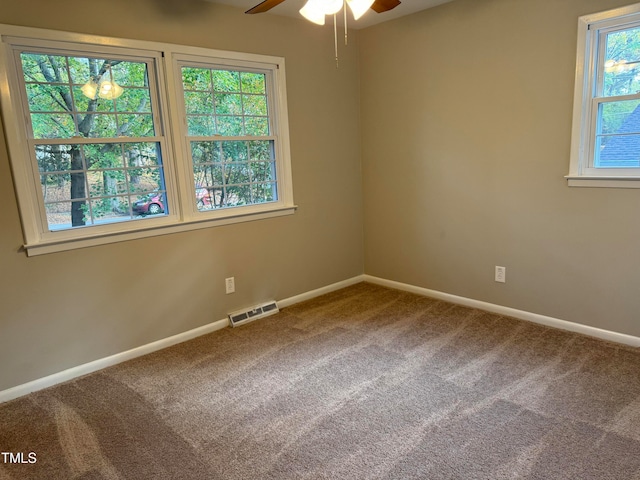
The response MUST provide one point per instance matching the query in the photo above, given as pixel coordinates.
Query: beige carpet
(363, 383)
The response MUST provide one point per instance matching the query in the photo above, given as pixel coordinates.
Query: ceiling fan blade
(384, 5)
(264, 6)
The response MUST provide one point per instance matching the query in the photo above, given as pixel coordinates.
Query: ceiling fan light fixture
(329, 7)
(110, 90)
(90, 89)
(359, 7)
(312, 12)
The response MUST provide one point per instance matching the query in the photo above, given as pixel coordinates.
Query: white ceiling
(290, 8)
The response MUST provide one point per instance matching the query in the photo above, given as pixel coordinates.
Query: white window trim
(178, 171)
(580, 175)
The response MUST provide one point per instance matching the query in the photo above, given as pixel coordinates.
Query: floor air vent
(245, 316)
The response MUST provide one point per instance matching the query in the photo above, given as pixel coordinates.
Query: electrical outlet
(501, 274)
(230, 284)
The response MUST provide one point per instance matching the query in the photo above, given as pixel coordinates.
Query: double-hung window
(606, 124)
(114, 139)
(94, 134)
(229, 132)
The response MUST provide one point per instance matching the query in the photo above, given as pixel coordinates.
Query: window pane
(142, 154)
(55, 187)
(237, 195)
(42, 68)
(44, 98)
(622, 63)
(145, 180)
(264, 192)
(135, 125)
(207, 176)
(619, 117)
(202, 152)
(198, 102)
(228, 104)
(83, 103)
(230, 173)
(236, 173)
(101, 177)
(262, 171)
(137, 100)
(618, 138)
(105, 155)
(261, 150)
(236, 102)
(53, 158)
(83, 88)
(110, 209)
(230, 126)
(253, 82)
(79, 69)
(58, 215)
(47, 125)
(196, 79)
(254, 104)
(153, 203)
(235, 152)
(618, 151)
(258, 126)
(106, 182)
(200, 126)
(226, 81)
(131, 74)
(101, 125)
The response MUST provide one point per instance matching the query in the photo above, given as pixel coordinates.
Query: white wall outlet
(230, 284)
(501, 274)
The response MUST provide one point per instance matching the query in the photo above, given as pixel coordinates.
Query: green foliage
(621, 77)
(226, 81)
(614, 114)
(237, 172)
(54, 84)
(622, 63)
(196, 79)
(228, 104)
(225, 102)
(53, 158)
(114, 173)
(253, 82)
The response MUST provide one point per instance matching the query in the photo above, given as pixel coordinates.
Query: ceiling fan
(316, 11)
(359, 7)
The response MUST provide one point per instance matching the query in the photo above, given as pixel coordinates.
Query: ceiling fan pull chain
(335, 37)
(344, 7)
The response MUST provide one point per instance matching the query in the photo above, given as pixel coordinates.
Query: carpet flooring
(363, 383)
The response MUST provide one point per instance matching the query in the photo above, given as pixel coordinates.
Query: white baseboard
(102, 363)
(511, 312)
(320, 291)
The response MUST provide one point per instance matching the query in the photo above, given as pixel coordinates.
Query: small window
(606, 131)
(119, 139)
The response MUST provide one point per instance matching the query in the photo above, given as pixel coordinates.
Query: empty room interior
(441, 204)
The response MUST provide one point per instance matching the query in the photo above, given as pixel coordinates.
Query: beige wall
(463, 114)
(64, 309)
(466, 118)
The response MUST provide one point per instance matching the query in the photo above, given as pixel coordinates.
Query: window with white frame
(95, 136)
(114, 139)
(606, 124)
(228, 124)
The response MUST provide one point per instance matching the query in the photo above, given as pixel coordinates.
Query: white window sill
(603, 181)
(52, 246)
